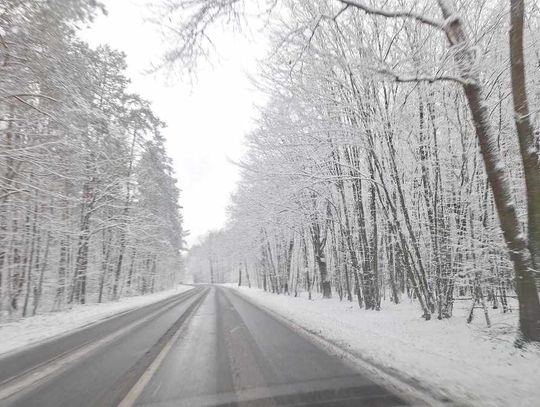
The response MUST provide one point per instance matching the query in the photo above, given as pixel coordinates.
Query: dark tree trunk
(529, 304)
(527, 142)
(240, 275)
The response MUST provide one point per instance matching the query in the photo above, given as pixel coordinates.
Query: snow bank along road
(207, 346)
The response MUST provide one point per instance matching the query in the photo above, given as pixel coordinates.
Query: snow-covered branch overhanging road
(207, 346)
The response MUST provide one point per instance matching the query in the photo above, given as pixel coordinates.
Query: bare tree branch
(423, 78)
(33, 95)
(395, 14)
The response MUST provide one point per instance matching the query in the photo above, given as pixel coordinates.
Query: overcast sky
(206, 120)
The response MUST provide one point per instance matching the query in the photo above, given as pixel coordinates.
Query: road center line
(132, 396)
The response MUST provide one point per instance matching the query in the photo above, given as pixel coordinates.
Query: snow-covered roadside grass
(468, 362)
(19, 334)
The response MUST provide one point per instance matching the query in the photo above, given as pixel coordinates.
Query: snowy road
(94, 366)
(208, 346)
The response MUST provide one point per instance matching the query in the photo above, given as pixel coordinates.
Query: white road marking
(55, 367)
(143, 381)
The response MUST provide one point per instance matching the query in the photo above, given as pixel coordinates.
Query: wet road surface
(207, 347)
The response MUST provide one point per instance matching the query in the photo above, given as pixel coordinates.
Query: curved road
(206, 347)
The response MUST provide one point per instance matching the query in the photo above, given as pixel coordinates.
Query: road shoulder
(401, 384)
(26, 333)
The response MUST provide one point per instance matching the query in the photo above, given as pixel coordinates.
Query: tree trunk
(125, 213)
(39, 290)
(529, 304)
(240, 275)
(527, 142)
(247, 274)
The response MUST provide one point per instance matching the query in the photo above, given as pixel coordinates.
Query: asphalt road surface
(206, 347)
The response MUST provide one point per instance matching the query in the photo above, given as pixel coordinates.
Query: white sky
(206, 120)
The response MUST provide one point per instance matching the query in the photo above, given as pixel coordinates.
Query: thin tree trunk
(39, 291)
(240, 275)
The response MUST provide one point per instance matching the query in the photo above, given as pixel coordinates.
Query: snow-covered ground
(468, 362)
(28, 331)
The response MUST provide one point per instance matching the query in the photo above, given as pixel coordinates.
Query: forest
(396, 156)
(89, 206)
(269, 202)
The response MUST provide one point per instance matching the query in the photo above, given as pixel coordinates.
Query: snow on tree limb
(395, 14)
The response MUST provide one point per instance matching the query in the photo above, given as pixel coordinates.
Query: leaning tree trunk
(497, 173)
(247, 274)
(527, 142)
